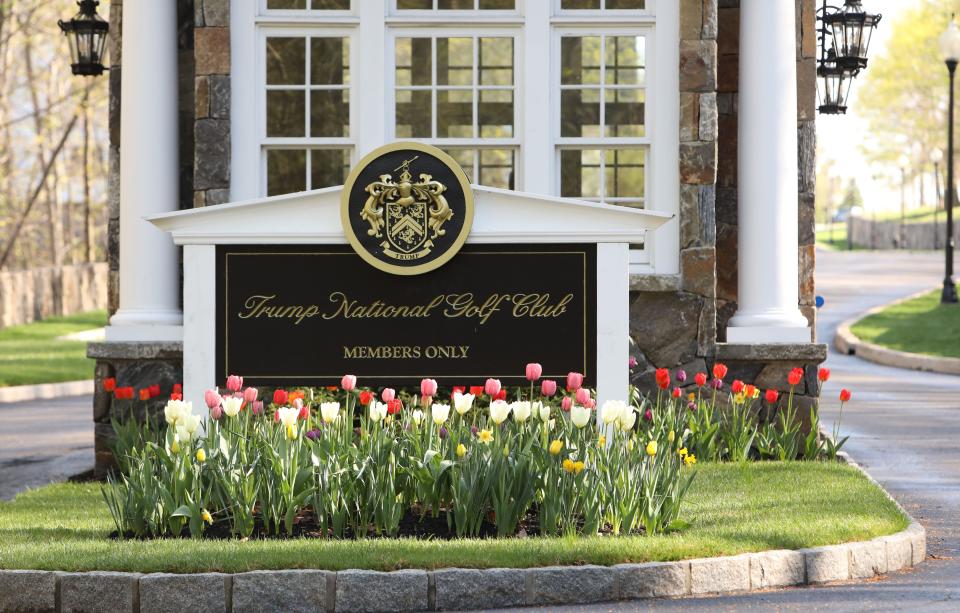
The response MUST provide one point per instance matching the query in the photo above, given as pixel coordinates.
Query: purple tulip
(443, 432)
(313, 434)
(681, 375)
(691, 406)
(717, 384)
(474, 430)
(632, 362)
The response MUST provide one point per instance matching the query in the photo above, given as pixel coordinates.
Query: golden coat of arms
(407, 215)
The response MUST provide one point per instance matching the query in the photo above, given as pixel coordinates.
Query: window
(314, 5)
(458, 92)
(597, 5)
(602, 145)
(456, 5)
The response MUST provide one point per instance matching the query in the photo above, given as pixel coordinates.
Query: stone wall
(38, 293)
(210, 158)
(869, 234)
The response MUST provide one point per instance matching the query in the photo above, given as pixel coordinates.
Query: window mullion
(476, 92)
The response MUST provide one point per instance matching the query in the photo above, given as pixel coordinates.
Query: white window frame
(370, 21)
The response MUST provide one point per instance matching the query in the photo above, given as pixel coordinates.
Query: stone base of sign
(454, 588)
(137, 365)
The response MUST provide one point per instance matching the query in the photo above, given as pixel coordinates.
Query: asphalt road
(905, 429)
(43, 441)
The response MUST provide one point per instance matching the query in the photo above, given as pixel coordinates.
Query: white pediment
(499, 216)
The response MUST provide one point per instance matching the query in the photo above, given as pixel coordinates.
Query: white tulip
(188, 427)
(580, 416)
(612, 410)
(462, 402)
(232, 405)
(541, 410)
(440, 413)
(499, 411)
(417, 416)
(175, 410)
(288, 416)
(378, 410)
(329, 411)
(627, 419)
(521, 410)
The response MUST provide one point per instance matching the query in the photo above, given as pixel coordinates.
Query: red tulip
(823, 374)
(676, 392)
(737, 386)
(250, 394)
(154, 390)
(844, 395)
(388, 394)
(700, 379)
(457, 389)
(548, 388)
(771, 396)
(394, 406)
(109, 384)
(749, 390)
(304, 410)
(566, 403)
(574, 381)
(234, 383)
(534, 371)
(476, 390)
(501, 395)
(491, 387)
(145, 394)
(428, 387)
(178, 388)
(583, 396)
(719, 371)
(348, 383)
(795, 376)
(663, 378)
(280, 397)
(176, 396)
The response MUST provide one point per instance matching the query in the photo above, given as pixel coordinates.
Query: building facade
(703, 109)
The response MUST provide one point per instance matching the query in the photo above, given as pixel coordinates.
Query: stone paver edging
(42, 391)
(848, 343)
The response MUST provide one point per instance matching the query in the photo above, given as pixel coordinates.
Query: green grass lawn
(833, 238)
(921, 325)
(31, 354)
(732, 509)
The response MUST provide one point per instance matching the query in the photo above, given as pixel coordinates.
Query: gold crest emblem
(407, 208)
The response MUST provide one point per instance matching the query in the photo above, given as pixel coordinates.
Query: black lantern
(852, 28)
(87, 34)
(834, 85)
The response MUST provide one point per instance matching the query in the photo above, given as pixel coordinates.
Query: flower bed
(351, 462)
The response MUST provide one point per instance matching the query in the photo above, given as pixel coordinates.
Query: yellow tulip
(578, 467)
(630, 444)
(556, 447)
(652, 448)
(682, 451)
(175, 447)
(461, 450)
(201, 456)
(602, 440)
(671, 436)
(568, 465)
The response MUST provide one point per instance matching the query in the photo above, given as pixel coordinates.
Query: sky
(839, 136)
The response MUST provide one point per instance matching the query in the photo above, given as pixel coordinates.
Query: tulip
(304, 410)
(652, 448)
(499, 411)
(232, 405)
(175, 411)
(329, 411)
(388, 394)
(672, 436)
(556, 447)
(795, 376)
(378, 411)
(521, 410)
(491, 387)
(501, 395)
(700, 379)
(288, 416)
(582, 395)
(348, 383)
(676, 393)
(566, 404)
(631, 362)
(648, 416)
(250, 394)
(662, 377)
(771, 396)
(568, 465)
(201, 455)
(542, 410)
(681, 375)
(280, 397)
(590, 403)
(313, 434)
(580, 416)
(216, 412)
(154, 390)
(691, 406)
(461, 450)
(257, 407)
(205, 516)
(457, 389)
(548, 388)
(627, 420)
(719, 371)
(751, 391)
(443, 432)
(109, 384)
(394, 406)
(178, 388)
(462, 402)
(737, 386)
(823, 374)
(428, 387)
(234, 383)
(717, 384)
(145, 394)
(574, 381)
(612, 410)
(176, 396)
(534, 371)
(845, 395)
(365, 397)
(417, 416)
(188, 428)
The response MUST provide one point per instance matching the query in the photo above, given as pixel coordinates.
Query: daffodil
(521, 410)
(205, 516)
(690, 460)
(462, 402)
(485, 436)
(329, 411)
(201, 455)
(578, 467)
(568, 465)
(652, 448)
(499, 411)
(611, 411)
(461, 450)
(580, 416)
(440, 413)
(682, 451)
(556, 447)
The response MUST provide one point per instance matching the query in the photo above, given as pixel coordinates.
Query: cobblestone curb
(845, 341)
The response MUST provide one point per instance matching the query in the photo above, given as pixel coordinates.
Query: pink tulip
(548, 388)
(388, 394)
(428, 387)
(212, 398)
(566, 403)
(590, 403)
(583, 396)
(574, 381)
(491, 387)
(216, 412)
(534, 371)
(234, 383)
(348, 383)
(298, 402)
(250, 394)
(257, 407)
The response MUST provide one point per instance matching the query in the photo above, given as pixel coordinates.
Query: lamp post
(903, 162)
(950, 49)
(936, 156)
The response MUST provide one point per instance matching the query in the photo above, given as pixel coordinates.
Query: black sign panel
(307, 315)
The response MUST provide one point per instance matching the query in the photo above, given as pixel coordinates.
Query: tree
(852, 196)
(903, 92)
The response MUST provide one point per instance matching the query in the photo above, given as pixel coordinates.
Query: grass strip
(31, 353)
(920, 325)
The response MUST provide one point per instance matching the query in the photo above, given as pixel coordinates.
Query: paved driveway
(43, 441)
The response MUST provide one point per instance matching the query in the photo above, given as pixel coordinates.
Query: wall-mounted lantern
(87, 34)
(850, 29)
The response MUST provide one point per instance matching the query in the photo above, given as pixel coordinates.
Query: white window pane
(413, 61)
(495, 113)
(413, 114)
(286, 110)
(624, 170)
(625, 62)
(580, 112)
(329, 167)
(286, 60)
(624, 112)
(496, 61)
(329, 61)
(580, 173)
(455, 113)
(497, 168)
(330, 113)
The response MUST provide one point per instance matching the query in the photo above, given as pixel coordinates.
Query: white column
(767, 177)
(149, 279)
(613, 322)
(199, 331)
